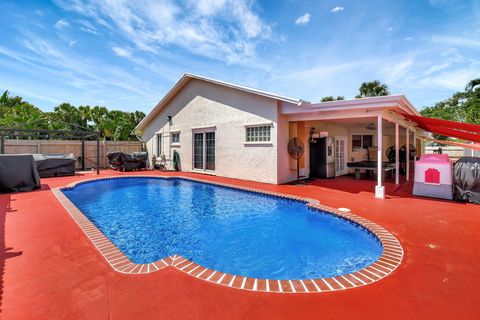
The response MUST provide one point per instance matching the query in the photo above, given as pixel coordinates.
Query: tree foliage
(14, 110)
(372, 89)
(463, 106)
(112, 125)
(332, 98)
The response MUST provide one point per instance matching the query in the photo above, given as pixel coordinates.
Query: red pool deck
(50, 270)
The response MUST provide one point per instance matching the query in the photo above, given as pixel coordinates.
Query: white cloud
(337, 9)
(452, 79)
(223, 29)
(457, 41)
(61, 24)
(72, 43)
(122, 52)
(389, 28)
(49, 58)
(208, 7)
(87, 26)
(323, 71)
(436, 67)
(31, 91)
(303, 20)
(84, 8)
(408, 39)
(41, 47)
(395, 71)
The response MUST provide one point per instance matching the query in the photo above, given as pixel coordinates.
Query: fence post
(98, 153)
(104, 151)
(2, 145)
(83, 154)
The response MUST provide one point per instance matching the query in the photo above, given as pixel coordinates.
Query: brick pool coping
(389, 260)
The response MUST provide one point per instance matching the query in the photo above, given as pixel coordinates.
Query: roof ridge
(187, 76)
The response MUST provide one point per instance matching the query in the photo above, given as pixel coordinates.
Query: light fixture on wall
(312, 131)
(370, 126)
(169, 119)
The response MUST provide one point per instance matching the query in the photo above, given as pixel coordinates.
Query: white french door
(204, 151)
(341, 156)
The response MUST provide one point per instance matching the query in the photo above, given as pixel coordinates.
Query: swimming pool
(232, 231)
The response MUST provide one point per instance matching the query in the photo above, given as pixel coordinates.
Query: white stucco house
(239, 132)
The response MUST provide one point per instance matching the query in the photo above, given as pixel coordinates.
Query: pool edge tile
(391, 257)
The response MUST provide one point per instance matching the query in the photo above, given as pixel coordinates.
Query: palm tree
(17, 113)
(112, 125)
(372, 89)
(85, 113)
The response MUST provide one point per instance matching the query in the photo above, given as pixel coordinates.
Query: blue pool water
(228, 230)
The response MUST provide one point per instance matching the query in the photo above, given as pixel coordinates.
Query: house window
(159, 144)
(175, 138)
(258, 134)
(361, 141)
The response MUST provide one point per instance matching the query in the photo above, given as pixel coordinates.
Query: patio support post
(407, 157)
(397, 154)
(379, 188)
(415, 144)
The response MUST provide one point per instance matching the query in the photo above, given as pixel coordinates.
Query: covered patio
(364, 131)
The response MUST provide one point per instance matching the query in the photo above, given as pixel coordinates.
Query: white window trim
(268, 143)
(175, 144)
(209, 172)
(204, 128)
(159, 144)
(259, 143)
(260, 124)
(204, 131)
(374, 138)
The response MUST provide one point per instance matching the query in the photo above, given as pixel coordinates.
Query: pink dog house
(433, 176)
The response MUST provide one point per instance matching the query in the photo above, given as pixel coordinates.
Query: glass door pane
(210, 150)
(337, 142)
(341, 156)
(198, 151)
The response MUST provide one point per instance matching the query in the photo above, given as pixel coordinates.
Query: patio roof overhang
(397, 103)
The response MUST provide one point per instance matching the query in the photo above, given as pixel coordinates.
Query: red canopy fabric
(460, 130)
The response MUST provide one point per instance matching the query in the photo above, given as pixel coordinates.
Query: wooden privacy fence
(13, 146)
(454, 153)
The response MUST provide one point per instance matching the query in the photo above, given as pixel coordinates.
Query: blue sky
(127, 54)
